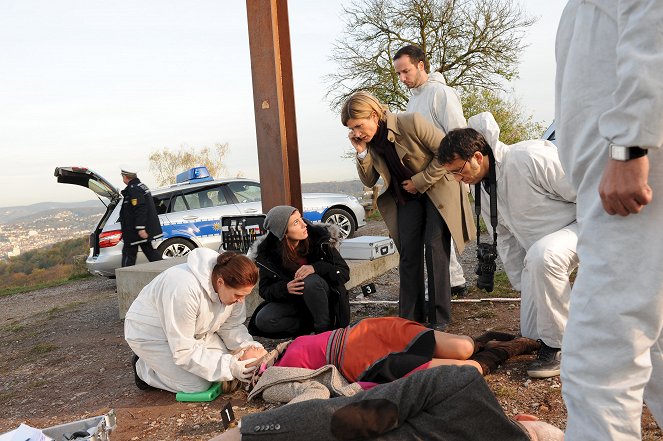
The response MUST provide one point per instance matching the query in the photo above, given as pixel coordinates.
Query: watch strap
(623, 153)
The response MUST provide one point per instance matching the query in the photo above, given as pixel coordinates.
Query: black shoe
(140, 384)
(547, 363)
(459, 291)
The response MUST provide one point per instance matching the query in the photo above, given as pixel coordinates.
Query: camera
(486, 255)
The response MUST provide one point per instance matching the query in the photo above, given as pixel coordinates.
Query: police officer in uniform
(138, 216)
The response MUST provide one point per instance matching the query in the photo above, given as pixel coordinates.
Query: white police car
(190, 213)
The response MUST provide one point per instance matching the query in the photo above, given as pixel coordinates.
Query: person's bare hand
(296, 286)
(408, 186)
(624, 189)
(304, 271)
(142, 234)
(357, 143)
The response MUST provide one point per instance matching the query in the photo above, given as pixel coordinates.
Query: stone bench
(131, 280)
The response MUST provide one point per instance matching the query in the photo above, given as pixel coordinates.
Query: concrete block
(131, 280)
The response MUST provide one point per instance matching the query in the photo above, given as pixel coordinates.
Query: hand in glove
(240, 369)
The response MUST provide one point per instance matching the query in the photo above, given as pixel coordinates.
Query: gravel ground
(64, 358)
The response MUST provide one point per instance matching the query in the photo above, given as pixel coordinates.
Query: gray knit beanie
(276, 221)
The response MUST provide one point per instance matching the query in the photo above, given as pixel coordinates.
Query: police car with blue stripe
(190, 213)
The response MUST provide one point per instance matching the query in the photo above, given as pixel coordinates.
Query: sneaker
(140, 384)
(547, 362)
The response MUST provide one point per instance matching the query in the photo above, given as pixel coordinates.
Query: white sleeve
(635, 118)
(448, 110)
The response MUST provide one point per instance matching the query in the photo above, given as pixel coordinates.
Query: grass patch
(23, 289)
(485, 313)
(57, 309)
(374, 216)
(506, 391)
(13, 328)
(42, 348)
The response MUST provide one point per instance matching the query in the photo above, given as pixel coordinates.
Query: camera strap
(491, 188)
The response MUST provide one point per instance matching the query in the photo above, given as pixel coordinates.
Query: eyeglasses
(459, 172)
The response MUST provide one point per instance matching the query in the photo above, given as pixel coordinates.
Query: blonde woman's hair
(360, 105)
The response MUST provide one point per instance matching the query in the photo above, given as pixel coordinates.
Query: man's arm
(635, 118)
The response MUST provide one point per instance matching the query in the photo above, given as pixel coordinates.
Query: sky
(100, 84)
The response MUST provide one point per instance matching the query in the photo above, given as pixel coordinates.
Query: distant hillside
(9, 215)
(355, 188)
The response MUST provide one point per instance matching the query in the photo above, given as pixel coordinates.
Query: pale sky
(99, 84)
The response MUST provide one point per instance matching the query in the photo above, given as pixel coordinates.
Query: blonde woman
(422, 205)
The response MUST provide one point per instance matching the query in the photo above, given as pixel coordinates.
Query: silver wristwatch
(623, 153)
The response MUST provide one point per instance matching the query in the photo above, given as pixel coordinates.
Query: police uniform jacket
(138, 212)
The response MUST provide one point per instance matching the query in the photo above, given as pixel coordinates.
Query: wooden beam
(274, 103)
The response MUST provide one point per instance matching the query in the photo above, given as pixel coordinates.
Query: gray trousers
(450, 403)
(420, 223)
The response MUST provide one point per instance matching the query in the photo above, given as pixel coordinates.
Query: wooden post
(274, 103)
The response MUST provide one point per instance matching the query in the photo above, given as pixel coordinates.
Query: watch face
(618, 152)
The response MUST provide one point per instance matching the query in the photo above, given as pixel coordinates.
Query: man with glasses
(536, 230)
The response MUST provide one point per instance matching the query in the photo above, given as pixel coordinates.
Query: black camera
(486, 255)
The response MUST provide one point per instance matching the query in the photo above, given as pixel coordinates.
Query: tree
(166, 164)
(472, 43)
(514, 125)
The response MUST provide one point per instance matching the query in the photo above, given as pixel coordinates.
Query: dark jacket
(138, 212)
(325, 259)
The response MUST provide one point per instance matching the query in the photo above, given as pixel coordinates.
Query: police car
(190, 213)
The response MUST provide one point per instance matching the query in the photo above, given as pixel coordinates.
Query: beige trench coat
(417, 142)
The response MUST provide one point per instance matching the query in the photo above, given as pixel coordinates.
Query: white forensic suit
(181, 331)
(536, 231)
(609, 89)
(440, 104)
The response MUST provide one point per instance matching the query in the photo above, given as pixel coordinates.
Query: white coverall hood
(434, 77)
(485, 124)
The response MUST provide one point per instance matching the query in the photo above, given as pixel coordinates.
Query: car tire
(175, 247)
(342, 219)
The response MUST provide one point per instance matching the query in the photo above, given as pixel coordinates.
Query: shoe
(459, 291)
(140, 384)
(547, 362)
(517, 346)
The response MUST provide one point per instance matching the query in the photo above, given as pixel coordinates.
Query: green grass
(506, 391)
(375, 216)
(23, 289)
(42, 348)
(12, 328)
(57, 309)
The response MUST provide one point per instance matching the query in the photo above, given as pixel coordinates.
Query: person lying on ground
(450, 403)
(186, 327)
(381, 350)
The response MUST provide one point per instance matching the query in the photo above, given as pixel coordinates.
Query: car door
(247, 196)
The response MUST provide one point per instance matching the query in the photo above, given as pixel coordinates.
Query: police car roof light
(195, 174)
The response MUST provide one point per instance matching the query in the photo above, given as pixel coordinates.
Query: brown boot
(517, 346)
(480, 341)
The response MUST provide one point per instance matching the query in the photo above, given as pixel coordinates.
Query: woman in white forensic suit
(186, 327)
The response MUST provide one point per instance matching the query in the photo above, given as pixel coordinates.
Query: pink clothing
(307, 351)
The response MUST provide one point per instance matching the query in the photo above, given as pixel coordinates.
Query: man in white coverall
(440, 104)
(187, 325)
(536, 230)
(609, 112)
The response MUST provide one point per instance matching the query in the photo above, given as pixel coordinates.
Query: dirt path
(64, 358)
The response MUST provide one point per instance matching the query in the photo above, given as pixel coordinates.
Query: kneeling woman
(186, 327)
(302, 277)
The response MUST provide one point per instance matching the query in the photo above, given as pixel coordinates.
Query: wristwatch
(622, 153)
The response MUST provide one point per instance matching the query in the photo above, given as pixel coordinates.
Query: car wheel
(175, 247)
(342, 219)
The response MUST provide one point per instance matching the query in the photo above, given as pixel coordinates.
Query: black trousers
(304, 313)
(421, 226)
(129, 253)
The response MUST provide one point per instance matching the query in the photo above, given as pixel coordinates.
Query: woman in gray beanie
(302, 277)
